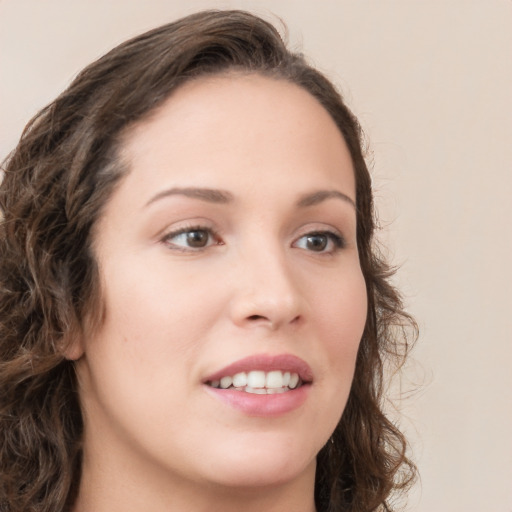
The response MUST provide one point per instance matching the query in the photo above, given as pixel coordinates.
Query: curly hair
(57, 181)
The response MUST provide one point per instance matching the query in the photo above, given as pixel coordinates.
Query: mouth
(263, 374)
(259, 382)
(262, 385)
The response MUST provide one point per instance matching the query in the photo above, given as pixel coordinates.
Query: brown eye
(316, 242)
(323, 242)
(197, 238)
(190, 239)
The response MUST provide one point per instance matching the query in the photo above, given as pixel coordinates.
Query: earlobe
(72, 349)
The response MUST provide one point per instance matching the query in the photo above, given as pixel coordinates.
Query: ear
(72, 348)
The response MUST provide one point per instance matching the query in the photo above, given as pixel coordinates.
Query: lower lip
(262, 405)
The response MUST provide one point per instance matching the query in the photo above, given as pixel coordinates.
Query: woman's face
(228, 250)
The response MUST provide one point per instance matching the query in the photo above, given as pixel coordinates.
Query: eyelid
(334, 235)
(320, 228)
(172, 233)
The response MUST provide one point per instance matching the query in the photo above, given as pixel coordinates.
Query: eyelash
(335, 238)
(190, 229)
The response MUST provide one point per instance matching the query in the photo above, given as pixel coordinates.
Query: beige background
(431, 82)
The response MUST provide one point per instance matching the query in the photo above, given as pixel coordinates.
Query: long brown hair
(56, 182)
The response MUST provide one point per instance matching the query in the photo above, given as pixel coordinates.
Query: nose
(266, 292)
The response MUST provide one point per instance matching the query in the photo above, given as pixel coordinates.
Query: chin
(263, 462)
(252, 476)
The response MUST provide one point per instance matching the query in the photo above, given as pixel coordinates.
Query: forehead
(237, 128)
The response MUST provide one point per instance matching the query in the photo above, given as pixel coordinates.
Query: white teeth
(276, 391)
(274, 380)
(225, 382)
(256, 391)
(240, 380)
(256, 379)
(259, 382)
(294, 380)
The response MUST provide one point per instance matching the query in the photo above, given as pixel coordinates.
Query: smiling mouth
(259, 382)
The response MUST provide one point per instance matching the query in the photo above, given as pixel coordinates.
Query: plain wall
(431, 82)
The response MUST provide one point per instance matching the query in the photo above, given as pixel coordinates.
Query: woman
(193, 312)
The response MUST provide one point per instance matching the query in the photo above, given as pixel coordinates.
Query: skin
(155, 438)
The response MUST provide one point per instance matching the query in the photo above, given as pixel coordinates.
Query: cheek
(139, 362)
(344, 309)
(154, 304)
(150, 335)
(341, 319)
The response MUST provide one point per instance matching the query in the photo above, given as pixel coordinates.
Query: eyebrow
(217, 196)
(209, 195)
(319, 196)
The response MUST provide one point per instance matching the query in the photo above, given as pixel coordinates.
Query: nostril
(256, 317)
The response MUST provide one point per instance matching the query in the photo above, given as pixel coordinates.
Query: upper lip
(266, 363)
